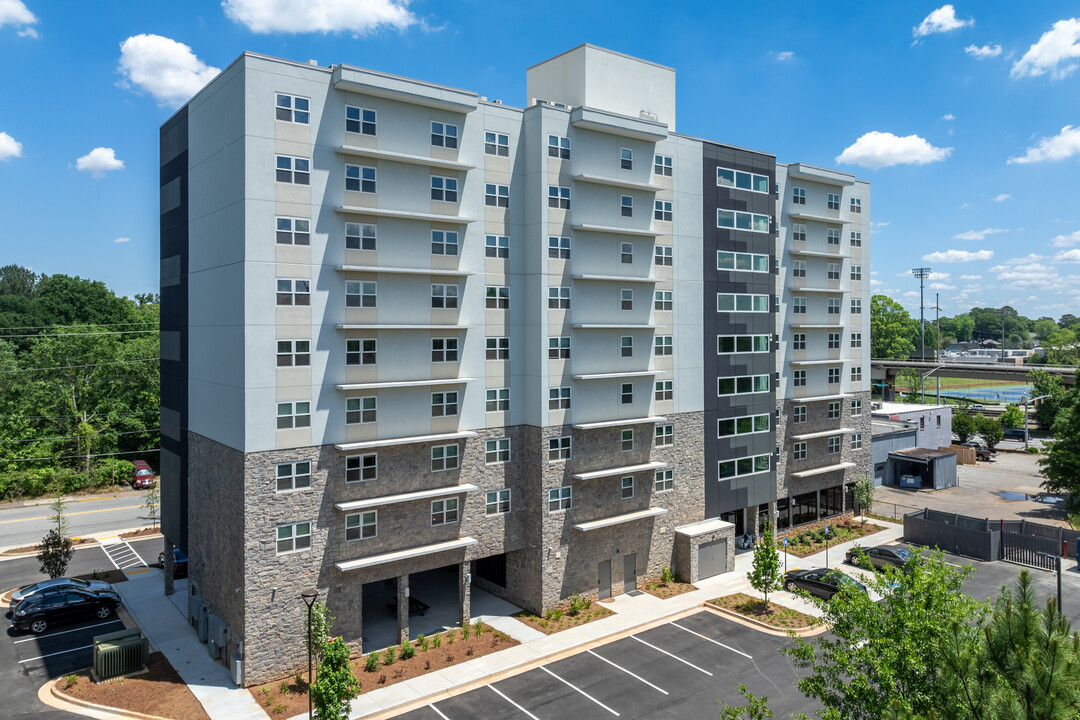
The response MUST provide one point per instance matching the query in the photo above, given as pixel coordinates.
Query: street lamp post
(921, 273)
(1026, 401)
(309, 600)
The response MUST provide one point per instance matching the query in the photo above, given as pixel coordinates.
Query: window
(798, 451)
(748, 425)
(496, 246)
(444, 349)
(856, 306)
(496, 144)
(626, 346)
(833, 201)
(856, 441)
(361, 526)
(559, 448)
(742, 221)
(798, 378)
(293, 292)
(361, 410)
(833, 236)
(856, 340)
(798, 305)
(293, 231)
(559, 248)
(558, 197)
(559, 398)
(626, 159)
(745, 466)
(742, 180)
(444, 242)
(662, 300)
(856, 205)
(444, 296)
(662, 255)
(834, 376)
(856, 239)
(496, 195)
(833, 271)
(834, 306)
(834, 445)
(730, 302)
(798, 341)
(662, 210)
(498, 400)
(922, 423)
(834, 341)
(559, 348)
(360, 294)
(798, 232)
(798, 195)
(856, 272)
(834, 411)
(798, 268)
(294, 171)
(444, 135)
(662, 345)
(662, 165)
(498, 348)
(359, 236)
(626, 253)
(856, 407)
(359, 120)
(560, 499)
(293, 353)
(361, 468)
(856, 373)
(664, 390)
(559, 298)
(497, 451)
(497, 297)
(626, 299)
(798, 414)
(741, 344)
(559, 147)
(627, 438)
(664, 480)
(444, 457)
(742, 385)
(293, 537)
(444, 189)
(497, 502)
(742, 261)
(293, 476)
(293, 109)
(444, 404)
(360, 178)
(444, 512)
(626, 204)
(627, 485)
(664, 435)
(293, 415)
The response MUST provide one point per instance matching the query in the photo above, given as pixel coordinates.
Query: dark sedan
(823, 582)
(179, 563)
(1015, 434)
(58, 584)
(39, 612)
(880, 555)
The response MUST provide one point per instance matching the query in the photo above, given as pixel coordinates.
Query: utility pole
(1002, 312)
(923, 273)
(937, 341)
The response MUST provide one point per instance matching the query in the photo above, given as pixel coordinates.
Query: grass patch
(778, 616)
(810, 540)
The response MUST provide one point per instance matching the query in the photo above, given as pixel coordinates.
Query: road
(21, 526)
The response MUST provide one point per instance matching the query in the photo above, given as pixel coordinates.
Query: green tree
(892, 330)
(1060, 461)
(864, 494)
(335, 685)
(764, 575)
(152, 500)
(756, 708)
(913, 381)
(1013, 417)
(989, 430)
(1061, 347)
(20, 281)
(1043, 383)
(960, 327)
(56, 547)
(963, 425)
(1043, 327)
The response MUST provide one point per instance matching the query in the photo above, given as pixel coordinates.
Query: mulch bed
(288, 697)
(141, 532)
(778, 616)
(34, 548)
(160, 692)
(839, 532)
(666, 590)
(559, 619)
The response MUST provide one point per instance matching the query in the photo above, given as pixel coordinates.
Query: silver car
(56, 583)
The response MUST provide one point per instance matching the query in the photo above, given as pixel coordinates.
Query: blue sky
(965, 117)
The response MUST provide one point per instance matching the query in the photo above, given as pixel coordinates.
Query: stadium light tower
(921, 273)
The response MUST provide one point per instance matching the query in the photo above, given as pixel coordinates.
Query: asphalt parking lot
(679, 669)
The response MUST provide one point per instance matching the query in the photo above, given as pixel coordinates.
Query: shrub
(449, 659)
(556, 615)
(382, 679)
(389, 655)
(371, 662)
(279, 708)
(407, 650)
(465, 631)
(479, 628)
(576, 605)
(422, 642)
(70, 681)
(468, 651)
(436, 641)
(284, 687)
(450, 637)
(665, 575)
(427, 664)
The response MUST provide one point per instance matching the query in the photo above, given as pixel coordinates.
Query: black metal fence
(1035, 550)
(983, 539)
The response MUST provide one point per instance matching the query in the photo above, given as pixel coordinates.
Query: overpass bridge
(887, 370)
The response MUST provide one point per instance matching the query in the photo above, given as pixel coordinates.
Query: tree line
(79, 383)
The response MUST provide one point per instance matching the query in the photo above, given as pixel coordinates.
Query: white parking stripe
(716, 642)
(574, 687)
(493, 689)
(65, 632)
(618, 667)
(684, 662)
(62, 652)
(439, 712)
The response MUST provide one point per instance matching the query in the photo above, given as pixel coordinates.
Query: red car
(143, 477)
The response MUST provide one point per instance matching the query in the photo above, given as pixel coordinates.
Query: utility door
(603, 572)
(630, 572)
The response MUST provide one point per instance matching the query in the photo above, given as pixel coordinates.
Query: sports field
(982, 391)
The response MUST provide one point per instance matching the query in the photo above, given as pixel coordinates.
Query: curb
(764, 627)
(73, 704)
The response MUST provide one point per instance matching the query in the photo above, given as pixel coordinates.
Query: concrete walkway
(164, 622)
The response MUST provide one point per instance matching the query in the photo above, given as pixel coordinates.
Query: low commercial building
(933, 423)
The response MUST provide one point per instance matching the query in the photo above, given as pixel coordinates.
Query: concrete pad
(394, 695)
(512, 627)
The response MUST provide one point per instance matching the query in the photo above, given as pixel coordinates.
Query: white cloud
(942, 286)
(99, 161)
(1027, 259)
(1053, 53)
(16, 14)
(122, 240)
(875, 283)
(948, 117)
(1068, 256)
(941, 20)
(1002, 197)
(979, 234)
(166, 69)
(940, 276)
(9, 147)
(1057, 241)
(876, 150)
(950, 256)
(965, 206)
(971, 277)
(359, 17)
(785, 55)
(981, 53)
(1063, 145)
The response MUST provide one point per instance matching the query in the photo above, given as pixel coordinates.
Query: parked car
(823, 582)
(58, 584)
(981, 453)
(179, 563)
(41, 611)
(880, 555)
(1015, 434)
(143, 476)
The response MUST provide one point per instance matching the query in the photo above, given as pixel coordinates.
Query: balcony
(619, 423)
(823, 433)
(625, 470)
(619, 519)
(823, 398)
(815, 253)
(825, 176)
(807, 217)
(803, 363)
(823, 470)
(424, 160)
(637, 232)
(616, 326)
(403, 214)
(406, 90)
(615, 124)
(616, 278)
(613, 375)
(408, 554)
(615, 182)
(413, 440)
(390, 384)
(403, 497)
(383, 270)
(401, 326)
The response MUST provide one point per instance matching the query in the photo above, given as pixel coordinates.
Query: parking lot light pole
(826, 546)
(309, 600)
(1026, 401)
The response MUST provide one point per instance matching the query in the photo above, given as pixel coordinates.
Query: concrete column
(888, 393)
(773, 520)
(403, 608)
(168, 567)
(817, 493)
(464, 592)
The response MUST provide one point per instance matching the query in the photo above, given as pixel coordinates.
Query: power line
(75, 367)
(83, 437)
(79, 457)
(107, 332)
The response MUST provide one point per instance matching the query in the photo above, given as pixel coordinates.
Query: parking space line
(439, 712)
(62, 652)
(618, 667)
(496, 691)
(715, 642)
(574, 687)
(684, 662)
(65, 632)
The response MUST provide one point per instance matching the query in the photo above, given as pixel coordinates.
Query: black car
(41, 611)
(823, 582)
(179, 563)
(1015, 434)
(981, 453)
(880, 555)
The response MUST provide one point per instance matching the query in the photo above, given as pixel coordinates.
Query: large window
(360, 120)
(444, 242)
(444, 512)
(742, 221)
(497, 144)
(359, 294)
(742, 261)
(293, 170)
(733, 302)
(559, 448)
(444, 350)
(804, 508)
(361, 526)
(444, 135)
(293, 353)
(360, 178)
(497, 502)
(559, 147)
(293, 231)
(745, 466)
(293, 537)
(743, 180)
(359, 236)
(444, 457)
(293, 476)
(742, 344)
(747, 425)
(560, 499)
(291, 108)
(360, 351)
(743, 385)
(361, 468)
(444, 189)
(293, 415)
(832, 501)
(361, 410)
(293, 292)
(497, 451)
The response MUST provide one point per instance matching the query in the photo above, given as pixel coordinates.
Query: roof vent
(313, 63)
(498, 102)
